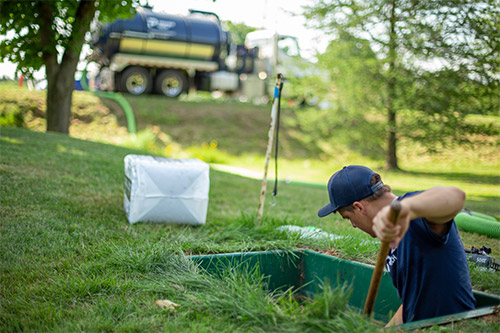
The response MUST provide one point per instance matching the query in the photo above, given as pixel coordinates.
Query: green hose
(476, 222)
(127, 109)
(480, 215)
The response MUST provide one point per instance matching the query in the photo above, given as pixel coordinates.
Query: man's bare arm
(397, 319)
(437, 205)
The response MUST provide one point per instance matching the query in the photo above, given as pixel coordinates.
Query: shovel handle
(379, 267)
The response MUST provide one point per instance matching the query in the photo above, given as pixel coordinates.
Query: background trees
(238, 31)
(432, 63)
(51, 34)
(429, 65)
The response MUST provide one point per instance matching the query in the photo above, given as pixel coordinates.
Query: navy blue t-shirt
(430, 272)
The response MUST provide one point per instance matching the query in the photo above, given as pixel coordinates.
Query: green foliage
(339, 131)
(11, 115)
(19, 107)
(355, 74)
(88, 117)
(238, 31)
(431, 65)
(307, 90)
(463, 35)
(51, 34)
(209, 153)
(20, 21)
(438, 104)
(353, 71)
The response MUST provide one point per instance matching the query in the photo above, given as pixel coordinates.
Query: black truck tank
(194, 37)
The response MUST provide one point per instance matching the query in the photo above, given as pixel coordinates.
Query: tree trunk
(59, 100)
(60, 77)
(391, 157)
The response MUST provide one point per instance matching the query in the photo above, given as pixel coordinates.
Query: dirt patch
(493, 318)
(330, 252)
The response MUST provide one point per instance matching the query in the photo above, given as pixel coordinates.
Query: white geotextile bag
(166, 190)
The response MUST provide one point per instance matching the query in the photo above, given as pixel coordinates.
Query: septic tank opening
(307, 272)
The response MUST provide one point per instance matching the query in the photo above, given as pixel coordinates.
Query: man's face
(359, 219)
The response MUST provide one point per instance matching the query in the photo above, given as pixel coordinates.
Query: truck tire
(171, 83)
(136, 81)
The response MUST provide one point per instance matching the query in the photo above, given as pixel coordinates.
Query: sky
(282, 16)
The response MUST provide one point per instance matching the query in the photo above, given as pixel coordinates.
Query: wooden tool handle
(274, 112)
(379, 267)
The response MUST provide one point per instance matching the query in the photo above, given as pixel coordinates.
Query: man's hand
(386, 231)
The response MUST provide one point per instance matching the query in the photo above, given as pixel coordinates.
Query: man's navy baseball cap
(348, 185)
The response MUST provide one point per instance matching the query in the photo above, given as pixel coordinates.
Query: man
(427, 260)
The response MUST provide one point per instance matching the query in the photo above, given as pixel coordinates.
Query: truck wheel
(171, 83)
(136, 81)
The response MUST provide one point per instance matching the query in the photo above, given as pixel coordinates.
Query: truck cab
(276, 54)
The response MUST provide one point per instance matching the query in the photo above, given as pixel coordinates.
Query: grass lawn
(71, 262)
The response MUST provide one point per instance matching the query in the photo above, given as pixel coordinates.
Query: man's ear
(359, 205)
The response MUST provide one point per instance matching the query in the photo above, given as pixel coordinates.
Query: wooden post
(270, 140)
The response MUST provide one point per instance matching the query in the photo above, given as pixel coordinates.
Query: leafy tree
(354, 72)
(51, 34)
(238, 31)
(439, 59)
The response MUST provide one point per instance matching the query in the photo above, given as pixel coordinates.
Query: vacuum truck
(171, 54)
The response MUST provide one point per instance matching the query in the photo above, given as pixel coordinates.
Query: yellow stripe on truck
(162, 46)
(181, 49)
(201, 51)
(131, 45)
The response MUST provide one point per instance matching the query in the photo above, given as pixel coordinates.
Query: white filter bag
(166, 190)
